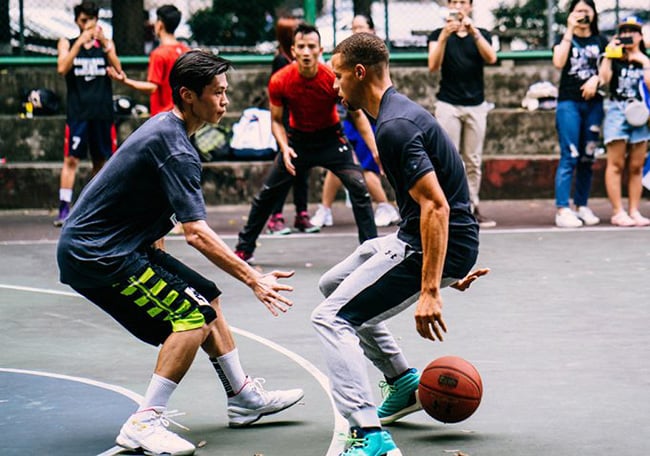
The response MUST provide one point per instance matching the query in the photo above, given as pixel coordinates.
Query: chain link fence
(33, 27)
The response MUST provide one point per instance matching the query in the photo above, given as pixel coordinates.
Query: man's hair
(306, 29)
(90, 9)
(364, 48)
(284, 28)
(170, 16)
(194, 70)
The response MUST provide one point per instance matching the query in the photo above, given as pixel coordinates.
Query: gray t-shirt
(155, 174)
(411, 144)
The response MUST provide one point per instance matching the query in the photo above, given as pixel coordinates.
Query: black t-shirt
(155, 174)
(581, 64)
(90, 95)
(461, 81)
(411, 144)
(626, 77)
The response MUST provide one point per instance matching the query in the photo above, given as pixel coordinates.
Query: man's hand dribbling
(428, 317)
(267, 290)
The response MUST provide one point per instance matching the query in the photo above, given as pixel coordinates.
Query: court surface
(558, 331)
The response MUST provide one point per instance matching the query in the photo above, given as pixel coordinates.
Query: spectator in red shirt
(161, 61)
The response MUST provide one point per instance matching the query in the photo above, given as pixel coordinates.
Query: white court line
(340, 424)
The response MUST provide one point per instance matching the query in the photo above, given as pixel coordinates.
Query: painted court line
(340, 424)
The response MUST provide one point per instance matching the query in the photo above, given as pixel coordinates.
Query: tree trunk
(362, 7)
(128, 26)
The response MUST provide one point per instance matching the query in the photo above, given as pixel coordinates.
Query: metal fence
(32, 27)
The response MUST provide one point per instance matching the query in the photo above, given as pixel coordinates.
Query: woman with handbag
(625, 68)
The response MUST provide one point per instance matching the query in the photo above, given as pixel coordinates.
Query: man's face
(306, 49)
(211, 106)
(346, 83)
(464, 6)
(85, 22)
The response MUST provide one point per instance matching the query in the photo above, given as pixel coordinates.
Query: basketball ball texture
(450, 389)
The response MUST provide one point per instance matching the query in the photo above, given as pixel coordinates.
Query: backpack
(44, 101)
(212, 142)
(252, 138)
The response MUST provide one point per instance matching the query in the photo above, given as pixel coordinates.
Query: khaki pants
(466, 126)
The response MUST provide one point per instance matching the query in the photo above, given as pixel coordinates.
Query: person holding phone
(624, 69)
(579, 112)
(460, 50)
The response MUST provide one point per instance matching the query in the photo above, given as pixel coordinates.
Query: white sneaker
(147, 430)
(587, 216)
(322, 217)
(566, 218)
(253, 402)
(386, 215)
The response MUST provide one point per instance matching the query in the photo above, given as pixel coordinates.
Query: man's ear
(359, 71)
(187, 95)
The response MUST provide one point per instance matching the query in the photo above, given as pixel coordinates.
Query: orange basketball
(450, 389)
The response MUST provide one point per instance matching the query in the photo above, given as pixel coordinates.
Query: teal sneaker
(400, 398)
(378, 443)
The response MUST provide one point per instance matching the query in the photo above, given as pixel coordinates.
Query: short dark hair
(88, 8)
(170, 16)
(364, 48)
(195, 70)
(306, 29)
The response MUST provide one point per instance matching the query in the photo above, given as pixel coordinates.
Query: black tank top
(90, 95)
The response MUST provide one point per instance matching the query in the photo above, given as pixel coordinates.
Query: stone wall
(519, 158)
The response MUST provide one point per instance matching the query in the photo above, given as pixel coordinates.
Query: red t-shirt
(311, 101)
(161, 62)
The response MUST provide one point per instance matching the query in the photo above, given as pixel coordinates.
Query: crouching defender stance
(105, 253)
(435, 246)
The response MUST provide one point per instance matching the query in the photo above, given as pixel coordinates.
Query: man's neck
(167, 39)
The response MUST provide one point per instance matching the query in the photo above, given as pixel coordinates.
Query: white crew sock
(65, 194)
(230, 372)
(158, 393)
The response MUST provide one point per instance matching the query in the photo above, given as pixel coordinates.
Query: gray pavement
(558, 331)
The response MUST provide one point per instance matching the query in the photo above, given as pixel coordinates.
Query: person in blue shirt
(106, 254)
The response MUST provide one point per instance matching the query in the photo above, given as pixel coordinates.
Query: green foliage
(527, 21)
(233, 23)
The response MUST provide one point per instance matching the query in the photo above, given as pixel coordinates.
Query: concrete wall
(520, 149)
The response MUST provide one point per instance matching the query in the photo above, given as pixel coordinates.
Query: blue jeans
(578, 129)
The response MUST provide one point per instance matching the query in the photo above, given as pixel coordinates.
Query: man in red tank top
(161, 62)
(314, 138)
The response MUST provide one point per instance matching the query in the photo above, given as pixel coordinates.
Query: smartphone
(584, 20)
(454, 15)
(626, 40)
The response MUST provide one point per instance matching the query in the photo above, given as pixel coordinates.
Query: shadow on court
(558, 331)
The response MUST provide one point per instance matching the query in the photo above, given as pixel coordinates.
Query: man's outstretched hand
(464, 283)
(267, 289)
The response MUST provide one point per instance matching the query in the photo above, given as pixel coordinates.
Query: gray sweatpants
(379, 279)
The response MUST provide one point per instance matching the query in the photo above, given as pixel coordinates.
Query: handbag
(636, 111)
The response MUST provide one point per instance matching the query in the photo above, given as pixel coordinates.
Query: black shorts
(165, 296)
(97, 136)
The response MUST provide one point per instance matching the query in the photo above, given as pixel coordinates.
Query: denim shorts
(615, 127)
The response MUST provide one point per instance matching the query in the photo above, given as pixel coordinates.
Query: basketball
(450, 389)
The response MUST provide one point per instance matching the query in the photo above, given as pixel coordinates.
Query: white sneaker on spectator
(566, 218)
(639, 219)
(621, 218)
(322, 217)
(253, 402)
(386, 215)
(147, 430)
(587, 216)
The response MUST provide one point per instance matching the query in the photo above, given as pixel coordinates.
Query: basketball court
(558, 331)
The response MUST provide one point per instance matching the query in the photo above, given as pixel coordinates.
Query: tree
(527, 21)
(234, 22)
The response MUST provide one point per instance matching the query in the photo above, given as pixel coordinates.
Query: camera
(584, 20)
(454, 15)
(626, 40)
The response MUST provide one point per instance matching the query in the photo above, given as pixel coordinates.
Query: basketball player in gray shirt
(435, 246)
